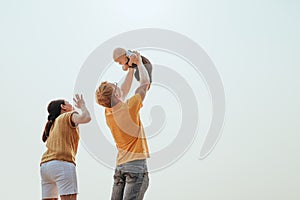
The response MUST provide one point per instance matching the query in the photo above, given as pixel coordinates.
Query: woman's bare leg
(51, 199)
(69, 197)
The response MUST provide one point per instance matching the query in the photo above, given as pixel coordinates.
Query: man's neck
(115, 102)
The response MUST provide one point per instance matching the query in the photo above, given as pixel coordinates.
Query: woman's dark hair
(54, 109)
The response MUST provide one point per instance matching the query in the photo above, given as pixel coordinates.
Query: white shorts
(58, 178)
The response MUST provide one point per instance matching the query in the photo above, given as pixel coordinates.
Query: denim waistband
(135, 166)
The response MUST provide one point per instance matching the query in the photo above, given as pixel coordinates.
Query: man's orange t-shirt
(127, 129)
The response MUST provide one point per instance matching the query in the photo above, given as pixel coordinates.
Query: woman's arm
(84, 117)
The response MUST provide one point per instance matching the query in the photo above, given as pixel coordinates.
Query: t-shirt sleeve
(135, 103)
(68, 119)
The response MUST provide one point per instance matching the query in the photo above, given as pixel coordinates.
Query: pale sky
(254, 46)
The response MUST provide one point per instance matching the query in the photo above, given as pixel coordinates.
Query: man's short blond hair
(118, 52)
(104, 94)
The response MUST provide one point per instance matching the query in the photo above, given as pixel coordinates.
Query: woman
(61, 133)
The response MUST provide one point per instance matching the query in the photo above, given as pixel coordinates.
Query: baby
(126, 59)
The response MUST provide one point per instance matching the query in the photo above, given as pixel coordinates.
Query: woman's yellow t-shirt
(63, 139)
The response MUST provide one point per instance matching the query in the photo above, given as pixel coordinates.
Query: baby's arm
(132, 57)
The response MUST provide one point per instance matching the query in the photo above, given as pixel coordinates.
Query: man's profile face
(117, 91)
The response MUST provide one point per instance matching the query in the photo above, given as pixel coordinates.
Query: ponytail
(54, 109)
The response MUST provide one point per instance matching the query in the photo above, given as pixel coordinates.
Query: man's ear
(116, 95)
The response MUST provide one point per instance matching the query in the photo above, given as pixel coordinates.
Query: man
(123, 118)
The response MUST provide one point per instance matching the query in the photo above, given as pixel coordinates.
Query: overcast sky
(254, 46)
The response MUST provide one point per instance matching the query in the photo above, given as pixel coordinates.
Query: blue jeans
(129, 182)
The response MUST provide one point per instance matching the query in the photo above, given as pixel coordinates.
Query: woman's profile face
(67, 107)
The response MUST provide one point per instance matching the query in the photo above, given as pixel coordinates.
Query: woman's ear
(63, 107)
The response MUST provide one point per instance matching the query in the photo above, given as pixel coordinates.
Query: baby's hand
(135, 58)
(125, 67)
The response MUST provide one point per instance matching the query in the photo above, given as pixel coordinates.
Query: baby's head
(119, 56)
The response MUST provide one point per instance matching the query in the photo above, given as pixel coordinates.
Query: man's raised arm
(144, 78)
(126, 85)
